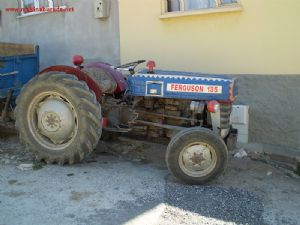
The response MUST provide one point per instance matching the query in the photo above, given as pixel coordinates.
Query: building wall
(263, 38)
(61, 35)
(260, 44)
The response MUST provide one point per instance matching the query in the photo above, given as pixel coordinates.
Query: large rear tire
(58, 118)
(196, 156)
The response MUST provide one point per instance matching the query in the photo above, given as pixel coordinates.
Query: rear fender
(116, 75)
(79, 74)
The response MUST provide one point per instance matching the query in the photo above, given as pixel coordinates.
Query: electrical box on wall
(102, 9)
(240, 121)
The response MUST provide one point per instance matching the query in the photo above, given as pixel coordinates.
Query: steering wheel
(129, 66)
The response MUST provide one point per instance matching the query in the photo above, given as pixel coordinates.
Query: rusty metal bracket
(5, 109)
(165, 126)
(168, 116)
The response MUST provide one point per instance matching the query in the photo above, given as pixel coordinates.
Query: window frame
(36, 5)
(219, 8)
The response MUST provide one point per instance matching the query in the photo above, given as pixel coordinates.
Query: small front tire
(196, 156)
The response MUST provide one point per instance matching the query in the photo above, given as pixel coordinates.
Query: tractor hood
(183, 85)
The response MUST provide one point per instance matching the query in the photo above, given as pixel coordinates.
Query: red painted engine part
(79, 74)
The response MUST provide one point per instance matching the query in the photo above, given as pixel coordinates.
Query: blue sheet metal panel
(193, 75)
(183, 85)
(15, 71)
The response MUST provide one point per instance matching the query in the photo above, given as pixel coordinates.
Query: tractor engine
(163, 117)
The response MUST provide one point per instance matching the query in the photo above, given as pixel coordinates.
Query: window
(28, 6)
(188, 5)
(177, 8)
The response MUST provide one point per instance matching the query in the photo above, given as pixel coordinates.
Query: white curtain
(197, 4)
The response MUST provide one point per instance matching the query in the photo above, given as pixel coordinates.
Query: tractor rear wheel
(196, 156)
(58, 118)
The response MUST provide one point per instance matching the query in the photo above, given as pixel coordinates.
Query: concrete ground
(132, 186)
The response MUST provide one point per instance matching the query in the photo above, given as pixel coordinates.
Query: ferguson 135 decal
(63, 111)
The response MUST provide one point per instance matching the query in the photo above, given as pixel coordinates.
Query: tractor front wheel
(58, 118)
(196, 156)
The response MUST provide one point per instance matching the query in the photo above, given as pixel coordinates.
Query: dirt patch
(15, 194)
(78, 196)
(125, 149)
(11, 182)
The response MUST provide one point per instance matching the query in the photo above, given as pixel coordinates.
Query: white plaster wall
(61, 35)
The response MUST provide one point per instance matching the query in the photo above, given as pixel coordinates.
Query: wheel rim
(197, 159)
(52, 120)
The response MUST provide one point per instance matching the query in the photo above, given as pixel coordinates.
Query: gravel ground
(224, 204)
(131, 185)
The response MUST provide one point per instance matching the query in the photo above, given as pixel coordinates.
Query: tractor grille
(225, 110)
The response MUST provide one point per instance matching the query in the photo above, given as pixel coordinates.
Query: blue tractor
(63, 111)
